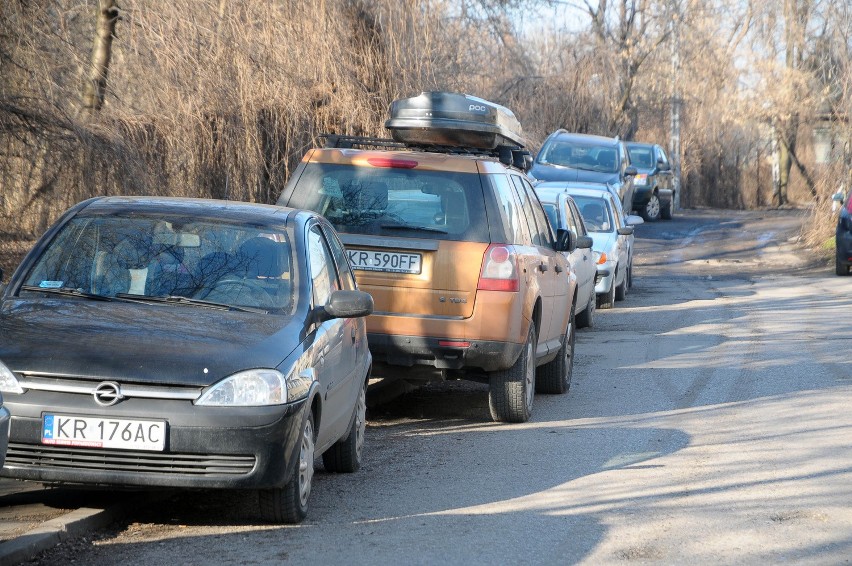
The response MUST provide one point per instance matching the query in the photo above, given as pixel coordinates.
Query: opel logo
(108, 393)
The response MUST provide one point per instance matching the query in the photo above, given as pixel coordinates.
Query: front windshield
(137, 256)
(641, 156)
(585, 156)
(596, 213)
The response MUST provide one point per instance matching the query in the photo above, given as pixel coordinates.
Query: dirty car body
(181, 343)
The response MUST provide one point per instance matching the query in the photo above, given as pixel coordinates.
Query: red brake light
(499, 269)
(454, 343)
(390, 162)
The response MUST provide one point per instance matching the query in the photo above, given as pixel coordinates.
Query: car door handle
(558, 269)
(542, 267)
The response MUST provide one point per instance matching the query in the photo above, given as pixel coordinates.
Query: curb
(73, 524)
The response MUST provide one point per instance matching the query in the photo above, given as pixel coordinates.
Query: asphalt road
(708, 422)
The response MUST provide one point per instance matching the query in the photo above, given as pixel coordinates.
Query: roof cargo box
(457, 120)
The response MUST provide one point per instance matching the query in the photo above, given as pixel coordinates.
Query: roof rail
(349, 142)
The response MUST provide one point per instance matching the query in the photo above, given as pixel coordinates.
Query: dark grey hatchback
(185, 343)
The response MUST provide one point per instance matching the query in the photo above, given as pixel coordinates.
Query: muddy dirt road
(708, 421)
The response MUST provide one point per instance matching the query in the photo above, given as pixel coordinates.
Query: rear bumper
(409, 351)
(206, 447)
(495, 331)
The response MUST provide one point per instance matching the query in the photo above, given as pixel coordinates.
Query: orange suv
(443, 228)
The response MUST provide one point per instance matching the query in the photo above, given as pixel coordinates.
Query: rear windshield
(383, 201)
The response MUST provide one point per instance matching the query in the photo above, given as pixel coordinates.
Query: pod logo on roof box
(477, 108)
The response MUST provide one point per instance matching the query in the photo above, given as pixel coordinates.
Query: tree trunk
(94, 86)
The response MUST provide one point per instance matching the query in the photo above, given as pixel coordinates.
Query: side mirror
(836, 197)
(633, 220)
(663, 166)
(585, 242)
(631, 171)
(565, 241)
(345, 304)
(625, 230)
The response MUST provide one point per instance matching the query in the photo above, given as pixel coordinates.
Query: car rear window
(387, 201)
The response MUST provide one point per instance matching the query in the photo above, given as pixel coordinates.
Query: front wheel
(651, 212)
(510, 391)
(555, 376)
(621, 290)
(607, 300)
(289, 504)
(345, 455)
(840, 266)
(666, 211)
(586, 318)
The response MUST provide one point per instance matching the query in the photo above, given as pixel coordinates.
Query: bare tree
(94, 87)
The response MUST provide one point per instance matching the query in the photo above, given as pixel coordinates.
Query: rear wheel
(651, 211)
(586, 318)
(289, 504)
(510, 391)
(345, 455)
(555, 376)
(666, 210)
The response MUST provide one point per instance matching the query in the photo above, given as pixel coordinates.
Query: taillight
(849, 203)
(499, 269)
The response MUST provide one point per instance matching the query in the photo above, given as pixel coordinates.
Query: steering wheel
(250, 292)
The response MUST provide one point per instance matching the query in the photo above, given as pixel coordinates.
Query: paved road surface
(708, 422)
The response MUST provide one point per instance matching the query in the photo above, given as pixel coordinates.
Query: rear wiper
(409, 227)
(67, 291)
(177, 299)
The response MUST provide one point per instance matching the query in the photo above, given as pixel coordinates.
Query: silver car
(563, 213)
(612, 234)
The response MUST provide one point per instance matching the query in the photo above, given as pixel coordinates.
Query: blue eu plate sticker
(51, 284)
(48, 427)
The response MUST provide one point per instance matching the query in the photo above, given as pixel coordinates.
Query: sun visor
(456, 120)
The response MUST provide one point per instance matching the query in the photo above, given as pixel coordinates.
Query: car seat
(594, 215)
(124, 270)
(606, 159)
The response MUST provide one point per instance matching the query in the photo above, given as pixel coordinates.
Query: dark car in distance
(653, 195)
(567, 156)
(843, 236)
(189, 343)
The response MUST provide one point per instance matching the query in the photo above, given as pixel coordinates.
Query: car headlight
(250, 388)
(8, 381)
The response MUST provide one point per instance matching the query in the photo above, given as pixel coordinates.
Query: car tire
(511, 391)
(586, 318)
(554, 377)
(630, 276)
(621, 290)
(289, 504)
(607, 300)
(840, 267)
(651, 210)
(345, 455)
(666, 210)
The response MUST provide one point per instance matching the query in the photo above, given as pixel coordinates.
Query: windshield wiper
(66, 291)
(178, 300)
(410, 227)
